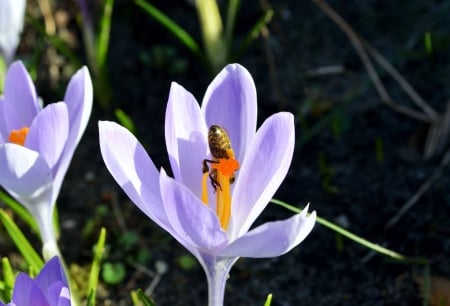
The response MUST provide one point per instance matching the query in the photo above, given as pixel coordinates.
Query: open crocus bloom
(262, 159)
(37, 145)
(12, 13)
(49, 288)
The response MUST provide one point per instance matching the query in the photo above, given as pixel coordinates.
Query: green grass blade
(8, 279)
(95, 269)
(232, 10)
(22, 244)
(104, 34)
(3, 69)
(370, 245)
(268, 300)
(20, 211)
(173, 28)
(254, 32)
(125, 120)
(212, 32)
(144, 299)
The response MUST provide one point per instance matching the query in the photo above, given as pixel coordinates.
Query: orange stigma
(18, 136)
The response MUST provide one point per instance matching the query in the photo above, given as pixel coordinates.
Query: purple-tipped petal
(230, 101)
(26, 292)
(24, 173)
(262, 171)
(133, 170)
(191, 220)
(48, 132)
(49, 288)
(185, 131)
(272, 238)
(20, 99)
(51, 273)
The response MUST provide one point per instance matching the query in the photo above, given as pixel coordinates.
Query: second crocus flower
(49, 288)
(37, 144)
(225, 173)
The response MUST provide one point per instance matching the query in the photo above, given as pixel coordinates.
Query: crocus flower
(12, 13)
(243, 179)
(37, 144)
(49, 288)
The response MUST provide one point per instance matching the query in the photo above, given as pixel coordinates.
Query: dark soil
(357, 161)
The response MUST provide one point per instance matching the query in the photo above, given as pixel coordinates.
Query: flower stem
(217, 274)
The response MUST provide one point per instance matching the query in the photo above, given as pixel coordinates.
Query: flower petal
(78, 98)
(12, 13)
(185, 132)
(133, 170)
(20, 99)
(52, 272)
(25, 174)
(272, 238)
(26, 292)
(262, 171)
(230, 101)
(194, 222)
(48, 132)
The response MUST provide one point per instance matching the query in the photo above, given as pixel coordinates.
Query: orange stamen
(19, 136)
(205, 188)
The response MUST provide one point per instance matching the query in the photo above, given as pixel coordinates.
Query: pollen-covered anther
(18, 136)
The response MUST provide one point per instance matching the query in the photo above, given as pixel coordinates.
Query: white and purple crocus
(49, 288)
(216, 233)
(37, 144)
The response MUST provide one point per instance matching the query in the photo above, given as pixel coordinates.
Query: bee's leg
(205, 165)
(214, 182)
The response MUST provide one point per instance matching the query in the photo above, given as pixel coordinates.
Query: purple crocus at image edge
(49, 288)
(178, 204)
(12, 13)
(37, 144)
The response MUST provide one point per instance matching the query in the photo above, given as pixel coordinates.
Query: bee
(220, 147)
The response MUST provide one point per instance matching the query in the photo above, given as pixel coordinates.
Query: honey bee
(220, 147)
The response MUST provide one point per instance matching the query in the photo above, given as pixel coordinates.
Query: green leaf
(186, 262)
(144, 299)
(103, 37)
(212, 32)
(20, 211)
(370, 245)
(232, 10)
(8, 279)
(22, 244)
(268, 300)
(125, 120)
(254, 32)
(99, 249)
(172, 27)
(113, 273)
(3, 69)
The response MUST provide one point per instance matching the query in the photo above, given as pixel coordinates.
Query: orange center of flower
(222, 173)
(19, 136)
